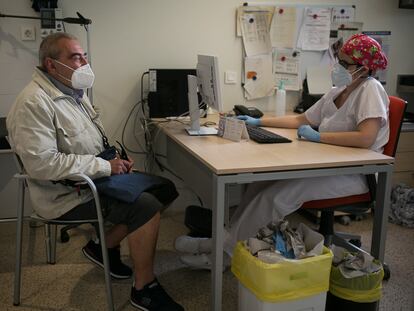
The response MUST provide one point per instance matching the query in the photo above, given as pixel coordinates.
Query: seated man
(57, 132)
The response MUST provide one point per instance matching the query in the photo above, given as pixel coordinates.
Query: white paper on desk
(342, 15)
(319, 79)
(255, 32)
(283, 27)
(235, 130)
(258, 79)
(315, 29)
(241, 10)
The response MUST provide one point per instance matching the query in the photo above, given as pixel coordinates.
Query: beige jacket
(54, 139)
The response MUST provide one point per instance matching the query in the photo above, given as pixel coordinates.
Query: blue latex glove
(249, 120)
(307, 132)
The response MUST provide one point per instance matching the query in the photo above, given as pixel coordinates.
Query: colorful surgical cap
(365, 51)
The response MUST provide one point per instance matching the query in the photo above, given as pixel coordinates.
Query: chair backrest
(396, 115)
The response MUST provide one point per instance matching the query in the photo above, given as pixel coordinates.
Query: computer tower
(168, 92)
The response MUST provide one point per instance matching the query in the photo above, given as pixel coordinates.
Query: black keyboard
(263, 136)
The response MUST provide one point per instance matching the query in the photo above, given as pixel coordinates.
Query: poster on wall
(384, 39)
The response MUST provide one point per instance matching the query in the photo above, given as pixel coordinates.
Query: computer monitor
(208, 84)
(168, 92)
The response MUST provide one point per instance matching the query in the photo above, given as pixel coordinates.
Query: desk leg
(218, 232)
(382, 206)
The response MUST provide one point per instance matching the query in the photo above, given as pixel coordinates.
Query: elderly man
(57, 132)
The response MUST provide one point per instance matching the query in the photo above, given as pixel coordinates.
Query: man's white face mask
(82, 78)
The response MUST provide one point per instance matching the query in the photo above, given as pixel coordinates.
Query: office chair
(50, 239)
(328, 206)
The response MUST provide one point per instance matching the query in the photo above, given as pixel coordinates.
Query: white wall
(130, 36)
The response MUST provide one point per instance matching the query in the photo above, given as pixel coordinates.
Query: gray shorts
(133, 215)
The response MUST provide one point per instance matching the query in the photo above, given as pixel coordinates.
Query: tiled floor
(75, 284)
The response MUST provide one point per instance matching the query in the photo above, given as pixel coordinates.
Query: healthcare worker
(354, 113)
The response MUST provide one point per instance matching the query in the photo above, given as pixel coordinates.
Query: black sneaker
(153, 298)
(118, 269)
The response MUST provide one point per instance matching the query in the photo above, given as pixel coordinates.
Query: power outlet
(27, 33)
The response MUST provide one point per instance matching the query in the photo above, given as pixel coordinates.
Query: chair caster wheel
(355, 242)
(359, 217)
(64, 237)
(345, 220)
(387, 272)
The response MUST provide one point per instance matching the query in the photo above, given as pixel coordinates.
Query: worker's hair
(49, 46)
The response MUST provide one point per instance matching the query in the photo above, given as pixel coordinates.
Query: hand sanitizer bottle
(280, 100)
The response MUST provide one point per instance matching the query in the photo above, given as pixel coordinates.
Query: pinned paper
(286, 68)
(255, 31)
(347, 30)
(343, 15)
(242, 10)
(258, 80)
(315, 30)
(319, 79)
(283, 27)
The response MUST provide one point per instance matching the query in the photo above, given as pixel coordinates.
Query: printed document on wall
(319, 79)
(255, 32)
(347, 30)
(258, 80)
(286, 68)
(315, 29)
(342, 15)
(283, 27)
(242, 10)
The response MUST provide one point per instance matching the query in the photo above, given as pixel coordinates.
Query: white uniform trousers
(273, 200)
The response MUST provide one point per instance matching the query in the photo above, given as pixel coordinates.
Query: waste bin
(357, 294)
(290, 285)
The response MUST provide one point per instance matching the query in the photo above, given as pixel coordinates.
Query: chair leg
(106, 267)
(19, 233)
(50, 243)
(53, 244)
(326, 226)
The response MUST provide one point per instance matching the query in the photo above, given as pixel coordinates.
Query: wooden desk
(209, 164)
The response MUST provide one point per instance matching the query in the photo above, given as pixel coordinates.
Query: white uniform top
(368, 100)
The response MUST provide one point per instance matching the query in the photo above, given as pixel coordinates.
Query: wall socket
(27, 33)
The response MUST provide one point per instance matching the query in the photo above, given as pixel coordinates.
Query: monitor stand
(195, 128)
(203, 131)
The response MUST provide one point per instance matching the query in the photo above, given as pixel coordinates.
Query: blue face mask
(341, 76)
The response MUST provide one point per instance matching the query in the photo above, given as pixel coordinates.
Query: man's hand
(131, 164)
(119, 166)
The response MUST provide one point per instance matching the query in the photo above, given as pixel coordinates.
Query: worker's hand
(307, 132)
(119, 166)
(249, 120)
